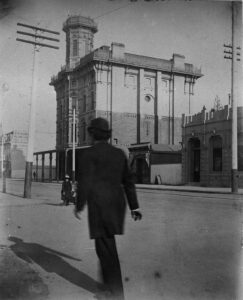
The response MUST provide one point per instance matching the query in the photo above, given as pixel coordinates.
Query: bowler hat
(99, 124)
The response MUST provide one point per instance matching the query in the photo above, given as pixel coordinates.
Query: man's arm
(130, 190)
(84, 179)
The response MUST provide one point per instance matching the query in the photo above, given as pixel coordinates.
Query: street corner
(18, 280)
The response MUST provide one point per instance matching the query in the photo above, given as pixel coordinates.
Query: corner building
(137, 94)
(207, 147)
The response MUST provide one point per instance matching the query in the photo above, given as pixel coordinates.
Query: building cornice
(104, 55)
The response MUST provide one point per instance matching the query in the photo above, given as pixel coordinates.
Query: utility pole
(233, 56)
(36, 37)
(4, 88)
(74, 141)
(2, 152)
(3, 168)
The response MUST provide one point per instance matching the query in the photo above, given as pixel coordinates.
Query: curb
(164, 188)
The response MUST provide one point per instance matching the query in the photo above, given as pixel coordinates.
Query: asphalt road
(187, 246)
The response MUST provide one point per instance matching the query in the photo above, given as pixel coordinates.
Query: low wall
(220, 180)
(19, 174)
(46, 173)
(169, 173)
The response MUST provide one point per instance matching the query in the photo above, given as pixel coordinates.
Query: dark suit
(105, 182)
(66, 191)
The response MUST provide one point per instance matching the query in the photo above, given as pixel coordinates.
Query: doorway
(194, 160)
(142, 171)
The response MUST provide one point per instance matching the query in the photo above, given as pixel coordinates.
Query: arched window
(75, 47)
(92, 101)
(216, 153)
(83, 104)
(146, 128)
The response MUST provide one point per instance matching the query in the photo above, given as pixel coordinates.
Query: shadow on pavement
(54, 204)
(52, 261)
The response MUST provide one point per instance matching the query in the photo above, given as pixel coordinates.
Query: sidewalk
(183, 188)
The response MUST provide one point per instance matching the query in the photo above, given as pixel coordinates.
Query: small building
(14, 153)
(156, 163)
(207, 151)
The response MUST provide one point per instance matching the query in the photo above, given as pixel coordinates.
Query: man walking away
(105, 182)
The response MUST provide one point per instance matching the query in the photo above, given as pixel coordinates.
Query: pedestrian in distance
(34, 175)
(104, 183)
(66, 192)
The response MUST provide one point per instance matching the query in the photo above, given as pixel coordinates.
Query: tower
(79, 38)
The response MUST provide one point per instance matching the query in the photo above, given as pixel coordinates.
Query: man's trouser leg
(110, 265)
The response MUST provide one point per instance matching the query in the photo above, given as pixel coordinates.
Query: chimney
(117, 50)
(178, 61)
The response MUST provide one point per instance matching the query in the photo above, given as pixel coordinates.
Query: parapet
(79, 21)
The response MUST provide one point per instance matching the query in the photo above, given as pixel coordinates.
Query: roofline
(94, 56)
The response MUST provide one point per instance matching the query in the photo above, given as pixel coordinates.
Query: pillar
(43, 167)
(139, 98)
(36, 167)
(50, 167)
(156, 100)
(57, 166)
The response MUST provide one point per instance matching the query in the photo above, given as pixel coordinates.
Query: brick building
(142, 97)
(206, 154)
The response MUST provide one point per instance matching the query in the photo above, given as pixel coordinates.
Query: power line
(46, 132)
(111, 11)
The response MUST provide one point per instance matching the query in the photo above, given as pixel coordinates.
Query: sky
(196, 29)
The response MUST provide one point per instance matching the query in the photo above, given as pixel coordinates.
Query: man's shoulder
(120, 151)
(84, 154)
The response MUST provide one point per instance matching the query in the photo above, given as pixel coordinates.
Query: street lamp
(73, 100)
(74, 183)
(74, 137)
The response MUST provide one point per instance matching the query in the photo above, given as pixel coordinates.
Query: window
(92, 101)
(130, 80)
(216, 150)
(74, 103)
(73, 83)
(83, 104)
(217, 159)
(75, 47)
(67, 105)
(147, 82)
(147, 128)
(240, 157)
